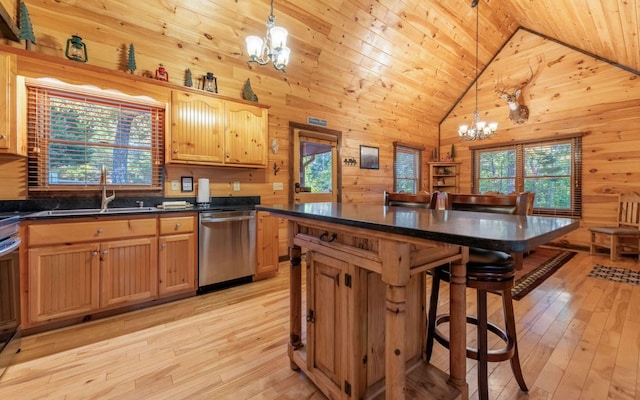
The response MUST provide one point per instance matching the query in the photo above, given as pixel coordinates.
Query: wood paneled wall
(571, 92)
(378, 73)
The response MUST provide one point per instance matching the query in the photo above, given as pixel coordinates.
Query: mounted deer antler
(518, 111)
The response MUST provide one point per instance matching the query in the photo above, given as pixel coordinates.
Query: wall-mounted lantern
(76, 49)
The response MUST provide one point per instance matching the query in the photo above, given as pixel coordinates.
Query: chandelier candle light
(478, 130)
(272, 48)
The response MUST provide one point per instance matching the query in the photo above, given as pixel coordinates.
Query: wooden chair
(623, 238)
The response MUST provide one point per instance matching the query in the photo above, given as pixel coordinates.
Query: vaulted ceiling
(430, 45)
(414, 54)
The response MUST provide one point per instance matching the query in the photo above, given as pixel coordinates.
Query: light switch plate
(236, 186)
(278, 186)
(175, 185)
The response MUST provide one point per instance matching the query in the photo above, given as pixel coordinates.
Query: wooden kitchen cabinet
(344, 349)
(177, 255)
(64, 281)
(197, 129)
(246, 128)
(267, 227)
(11, 141)
(208, 130)
(129, 271)
(79, 268)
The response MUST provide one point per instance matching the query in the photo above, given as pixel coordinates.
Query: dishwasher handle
(226, 219)
(13, 245)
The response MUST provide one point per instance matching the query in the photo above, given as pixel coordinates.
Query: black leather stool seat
(487, 271)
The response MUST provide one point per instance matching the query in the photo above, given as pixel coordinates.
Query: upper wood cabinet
(207, 130)
(11, 141)
(197, 128)
(245, 134)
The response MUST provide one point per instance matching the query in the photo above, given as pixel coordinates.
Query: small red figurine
(162, 74)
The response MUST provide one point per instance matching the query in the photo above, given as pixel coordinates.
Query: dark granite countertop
(510, 233)
(26, 209)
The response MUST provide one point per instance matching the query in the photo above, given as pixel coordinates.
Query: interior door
(315, 166)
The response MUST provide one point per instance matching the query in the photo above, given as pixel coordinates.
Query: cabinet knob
(105, 252)
(163, 245)
(3, 137)
(94, 253)
(175, 151)
(100, 230)
(177, 226)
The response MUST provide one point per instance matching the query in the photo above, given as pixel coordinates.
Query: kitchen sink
(93, 211)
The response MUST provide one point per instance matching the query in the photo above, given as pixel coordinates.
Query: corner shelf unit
(444, 177)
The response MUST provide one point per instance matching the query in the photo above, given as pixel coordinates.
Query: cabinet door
(196, 129)
(8, 133)
(327, 319)
(63, 281)
(266, 246)
(129, 270)
(246, 134)
(177, 264)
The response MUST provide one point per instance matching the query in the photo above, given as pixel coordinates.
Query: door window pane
(316, 165)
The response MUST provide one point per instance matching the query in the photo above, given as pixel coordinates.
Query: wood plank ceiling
(418, 55)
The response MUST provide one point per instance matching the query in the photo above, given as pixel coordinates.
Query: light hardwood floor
(579, 339)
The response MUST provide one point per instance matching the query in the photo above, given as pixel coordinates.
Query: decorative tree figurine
(26, 30)
(131, 65)
(188, 78)
(247, 92)
(452, 153)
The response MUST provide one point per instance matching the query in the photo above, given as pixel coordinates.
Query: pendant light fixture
(478, 130)
(273, 48)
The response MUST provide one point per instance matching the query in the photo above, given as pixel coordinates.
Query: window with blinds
(406, 168)
(72, 132)
(550, 169)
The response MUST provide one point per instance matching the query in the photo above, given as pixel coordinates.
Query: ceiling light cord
(478, 130)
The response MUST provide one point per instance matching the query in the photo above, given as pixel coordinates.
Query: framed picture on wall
(369, 157)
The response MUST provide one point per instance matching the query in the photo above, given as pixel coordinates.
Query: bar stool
(487, 271)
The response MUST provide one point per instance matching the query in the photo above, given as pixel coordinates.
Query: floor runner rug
(615, 274)
(533, 275)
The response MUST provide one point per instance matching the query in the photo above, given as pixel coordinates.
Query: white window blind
(71, 135)
(406, 168)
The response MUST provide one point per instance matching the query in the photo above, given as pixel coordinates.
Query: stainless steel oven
(9, 291)
(227, 241)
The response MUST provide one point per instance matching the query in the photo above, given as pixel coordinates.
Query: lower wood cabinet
(80, 267)
(267, 227)
(177, 255)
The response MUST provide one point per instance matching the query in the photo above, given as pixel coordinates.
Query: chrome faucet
(105, 200)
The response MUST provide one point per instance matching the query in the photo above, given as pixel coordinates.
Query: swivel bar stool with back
(487, 271)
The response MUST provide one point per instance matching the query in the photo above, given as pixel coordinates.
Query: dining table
(358, 320)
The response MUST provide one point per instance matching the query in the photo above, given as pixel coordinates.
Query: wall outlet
(236, 186)
(175, 185)
(278, 186)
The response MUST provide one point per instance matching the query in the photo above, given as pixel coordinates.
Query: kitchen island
(365, 291)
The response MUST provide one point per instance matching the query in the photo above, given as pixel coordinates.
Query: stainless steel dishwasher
(227, 255)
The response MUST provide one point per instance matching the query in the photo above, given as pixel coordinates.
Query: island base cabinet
(345, 349)
(63, 281)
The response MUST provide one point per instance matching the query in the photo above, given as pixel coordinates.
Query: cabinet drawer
(171, 225)
(72, 232)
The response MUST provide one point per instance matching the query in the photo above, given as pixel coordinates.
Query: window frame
(415, 150)
(38, 93)
(575, 211)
